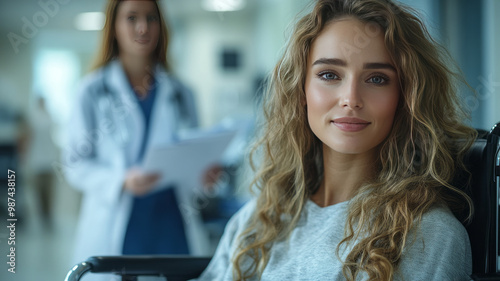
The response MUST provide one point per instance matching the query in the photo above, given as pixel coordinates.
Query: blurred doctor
(129, 103)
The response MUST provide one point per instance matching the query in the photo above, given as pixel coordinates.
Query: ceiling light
(223, 5)
(90, 21)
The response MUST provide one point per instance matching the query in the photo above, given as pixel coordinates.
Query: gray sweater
(440, 250)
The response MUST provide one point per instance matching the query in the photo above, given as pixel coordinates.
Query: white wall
(259, 34)
(196, 60)
(274, 23)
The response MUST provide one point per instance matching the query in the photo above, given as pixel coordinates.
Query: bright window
(56, 73)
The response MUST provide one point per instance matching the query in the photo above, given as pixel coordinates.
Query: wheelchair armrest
(174, 267)
(485, 277)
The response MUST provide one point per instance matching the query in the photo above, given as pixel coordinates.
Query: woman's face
(352, 87)
(137, 27)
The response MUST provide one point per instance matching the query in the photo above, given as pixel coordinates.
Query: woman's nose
(350, 95)
(142, 27)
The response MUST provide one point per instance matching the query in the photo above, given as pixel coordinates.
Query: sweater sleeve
(439, 249)
(220, 267)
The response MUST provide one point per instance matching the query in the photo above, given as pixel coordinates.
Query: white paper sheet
(184, 162)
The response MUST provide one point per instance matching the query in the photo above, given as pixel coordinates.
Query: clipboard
(184, 162)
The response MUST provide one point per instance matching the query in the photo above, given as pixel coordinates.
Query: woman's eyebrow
(379, 65)
(340, 62)
(332, 61)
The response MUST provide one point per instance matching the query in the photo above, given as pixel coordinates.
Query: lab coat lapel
(163, 124)
(129, 114)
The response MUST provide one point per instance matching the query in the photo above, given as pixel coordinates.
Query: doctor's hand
(140, 183)
(211, 176)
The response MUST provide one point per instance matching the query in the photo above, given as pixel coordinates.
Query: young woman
(363, 133)
(128, 103)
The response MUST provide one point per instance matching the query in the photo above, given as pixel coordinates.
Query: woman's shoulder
(92, 79)
(438, 248)
(437, 217)
(90, 85)
(439, 232)
(438, 224)
(162, 75)
(240, 219)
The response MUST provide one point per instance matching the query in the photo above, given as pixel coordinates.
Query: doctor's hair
(416, 162)
(109, 45)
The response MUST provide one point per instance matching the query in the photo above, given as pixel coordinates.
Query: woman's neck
(140, 73)
(343, 175)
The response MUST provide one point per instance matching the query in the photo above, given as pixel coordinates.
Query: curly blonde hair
(416, 162)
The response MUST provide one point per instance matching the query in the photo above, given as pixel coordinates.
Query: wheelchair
(483, 163)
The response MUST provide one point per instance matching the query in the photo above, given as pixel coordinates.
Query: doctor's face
(137, 27)
(352, 88)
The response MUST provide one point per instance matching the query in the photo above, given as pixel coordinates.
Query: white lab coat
(104, 140)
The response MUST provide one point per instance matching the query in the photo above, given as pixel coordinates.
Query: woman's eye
(152, 18)
(379, 80)
(131, 18)
(328, 76)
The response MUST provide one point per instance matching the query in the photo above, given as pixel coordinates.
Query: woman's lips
(350, 124)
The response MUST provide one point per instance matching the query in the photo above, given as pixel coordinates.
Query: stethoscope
(116, 109)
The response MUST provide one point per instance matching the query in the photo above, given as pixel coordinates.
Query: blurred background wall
(222, 56)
